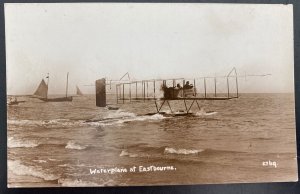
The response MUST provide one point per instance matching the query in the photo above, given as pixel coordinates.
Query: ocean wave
(58, 123)
(162, 152)
(120, 114)
(182, 151)
(40, 122)
(100, 123)
(74, 145)
(76, 183)
(67, 182)
(123, 119)
(55, 121)
(40, 161)
(202, 112)
(116, 118)
(120, 117)
(63, 165)
(18, 143)
(17, 168)
(126, 153)
(143, 118)
(53, 160)
(23, 122)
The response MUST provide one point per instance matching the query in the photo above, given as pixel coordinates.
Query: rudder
(101, 93)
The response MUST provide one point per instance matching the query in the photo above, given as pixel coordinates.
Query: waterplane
(129, 91)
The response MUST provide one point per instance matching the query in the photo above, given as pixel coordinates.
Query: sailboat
(13, 101)
(78, 91)
(42, 92)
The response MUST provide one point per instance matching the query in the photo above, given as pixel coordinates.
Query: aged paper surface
(123, 94)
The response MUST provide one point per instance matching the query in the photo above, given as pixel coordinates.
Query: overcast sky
(95, 40)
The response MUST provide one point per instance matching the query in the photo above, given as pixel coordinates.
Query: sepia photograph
(140, 94)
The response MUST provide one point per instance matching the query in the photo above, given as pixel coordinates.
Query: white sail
(42, 90)
(78, 92)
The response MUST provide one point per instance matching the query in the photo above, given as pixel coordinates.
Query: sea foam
(126, 153)
(74, 145)
(119, 118)
(202, 112)
(76, 183)
(142, 118)
(67, 182)
(18, 143)
(182, 151)
(120, 114)
(17, 168)
(24, 122)
(114, 118)
(40, 161)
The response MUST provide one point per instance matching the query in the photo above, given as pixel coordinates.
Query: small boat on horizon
(14, 101)
(78, 91)
(42, 92)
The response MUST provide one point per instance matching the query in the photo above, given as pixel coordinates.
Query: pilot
(178, 86)
(188, 85)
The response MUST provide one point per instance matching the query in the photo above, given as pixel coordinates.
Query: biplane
(166, 90)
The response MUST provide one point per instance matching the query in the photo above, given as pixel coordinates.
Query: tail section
(101, 93)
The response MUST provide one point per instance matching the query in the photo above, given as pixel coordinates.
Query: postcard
(131, 94)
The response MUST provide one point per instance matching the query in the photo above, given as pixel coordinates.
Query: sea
(76, 144)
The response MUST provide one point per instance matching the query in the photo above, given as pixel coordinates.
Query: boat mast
(47, 85)
(67, 84)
